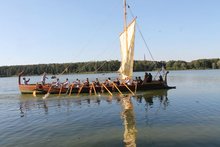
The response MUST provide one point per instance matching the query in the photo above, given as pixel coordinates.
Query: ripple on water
(186, 116)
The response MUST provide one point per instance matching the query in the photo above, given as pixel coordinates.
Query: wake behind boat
(126, 82)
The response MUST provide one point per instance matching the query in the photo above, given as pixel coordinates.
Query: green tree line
(106, 66)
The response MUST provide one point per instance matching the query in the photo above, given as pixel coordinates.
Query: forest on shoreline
(107, 66)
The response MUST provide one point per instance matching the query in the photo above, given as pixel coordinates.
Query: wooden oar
(90, 89)
(117, 88)
(128, 88)
(48, 92)
(34, 93)
(94, 88)
(71, 89)
(135, 88)
(61, 86)
(80, 89)
(107, 89)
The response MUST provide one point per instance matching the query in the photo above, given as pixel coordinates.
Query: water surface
(186, 116)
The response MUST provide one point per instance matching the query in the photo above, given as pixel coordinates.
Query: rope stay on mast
(142, 36)
(145, 43)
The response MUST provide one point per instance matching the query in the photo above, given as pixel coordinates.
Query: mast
(127, 38)
(125, 24)
(125, 17)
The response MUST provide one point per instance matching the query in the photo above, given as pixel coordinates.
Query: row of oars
(92, 87)
(119, 89)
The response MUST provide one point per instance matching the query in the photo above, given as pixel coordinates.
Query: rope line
(139, 30)
(145, 43)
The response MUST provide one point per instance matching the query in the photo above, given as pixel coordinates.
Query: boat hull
(42, 89)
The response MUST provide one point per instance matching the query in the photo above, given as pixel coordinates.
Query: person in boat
(97, 83)
(140, 81)
(86, 83)
(149, 79)
(135, 81)
(57, 83)
(117, 82)
(26, 81)
(44, 77)
(77, 83)
(66, 83)
(146, 76)
(160, 78)
(108, 82)
(128, 81)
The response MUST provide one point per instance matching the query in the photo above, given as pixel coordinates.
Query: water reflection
(28, 102)
(28, 105)
(130, 130)
(146, 100)
(128, 115)
(152, 97)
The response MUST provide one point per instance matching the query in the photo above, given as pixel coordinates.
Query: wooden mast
(125, 25)
(125, 17)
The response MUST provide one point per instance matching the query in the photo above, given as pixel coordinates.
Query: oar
(61, 86)
(94, 88)
(48, 92)
(107, 89)
(90, 89)
(80, 89)
(34, 93)
(135, 88)
(117, 88)
(71, 89)
(128, 88)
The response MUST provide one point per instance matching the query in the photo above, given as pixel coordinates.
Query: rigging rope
(139, 30)
(145, 43)
(98, 55)
(101, 66)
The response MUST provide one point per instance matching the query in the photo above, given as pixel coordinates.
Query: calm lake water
(186, 116)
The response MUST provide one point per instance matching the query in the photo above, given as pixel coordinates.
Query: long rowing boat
(127, 39)
(44, 88)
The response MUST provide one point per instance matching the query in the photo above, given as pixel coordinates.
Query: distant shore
(107, 66)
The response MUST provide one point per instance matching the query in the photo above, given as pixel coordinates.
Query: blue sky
(55, 31)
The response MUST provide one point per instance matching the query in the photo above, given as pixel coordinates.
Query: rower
(77, 82)
(97, 83)
(66, 83)
(117, 82)
(128, 81)
(57, 83)
(108, 82)
(26, 81)
(86, 83)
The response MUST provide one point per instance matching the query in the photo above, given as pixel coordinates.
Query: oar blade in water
(46, 95)
(34, 93)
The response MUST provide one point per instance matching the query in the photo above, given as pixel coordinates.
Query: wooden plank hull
(42, 89)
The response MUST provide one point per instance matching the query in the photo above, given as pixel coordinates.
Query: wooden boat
(127, 38)
(43, 89)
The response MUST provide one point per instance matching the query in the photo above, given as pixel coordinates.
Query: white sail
(127, 50)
